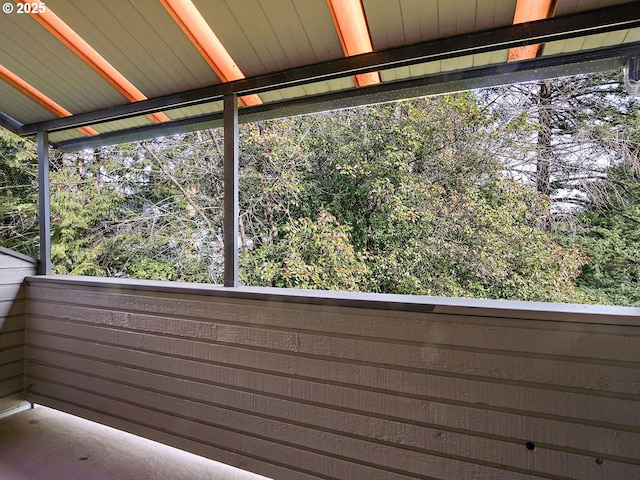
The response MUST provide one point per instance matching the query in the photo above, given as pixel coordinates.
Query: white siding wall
(336, 388)
(13, 270)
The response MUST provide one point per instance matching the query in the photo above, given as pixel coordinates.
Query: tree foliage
(439, 196)
(312, 254)
(570, 131)
(427, 208)
(18, 193)
(610, 236)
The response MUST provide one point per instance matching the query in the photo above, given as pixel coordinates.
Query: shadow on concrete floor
(45, 444)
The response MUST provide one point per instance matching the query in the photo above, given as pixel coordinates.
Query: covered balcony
(294, 384)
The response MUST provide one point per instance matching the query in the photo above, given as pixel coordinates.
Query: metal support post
(231, 210)
(44, 201)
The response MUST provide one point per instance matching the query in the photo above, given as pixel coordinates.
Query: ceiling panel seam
(40, 98)
(66, 35)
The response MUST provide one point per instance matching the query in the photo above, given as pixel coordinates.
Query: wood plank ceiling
(71, 58)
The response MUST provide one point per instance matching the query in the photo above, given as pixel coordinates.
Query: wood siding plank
(508, 365)
(13, 291)
(14, 267)
(347, 391)
(11, 341)
(539, 337)
(506, 450)
(11, 392)
(11, 262)
(12, 354)
(343, 460)
(316, 391)
(12, 307)
(228, 361)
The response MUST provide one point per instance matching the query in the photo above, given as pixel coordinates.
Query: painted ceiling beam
(40, 98)
(200, 34)
(619, 17)
(528, 11)
(353, 32)
(74, 42)
(492, 75)
(10, 123)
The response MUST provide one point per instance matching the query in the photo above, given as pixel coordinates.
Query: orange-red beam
(37, 96)
(59, 29)
(351, 25)
(198, 31)
(528, 11)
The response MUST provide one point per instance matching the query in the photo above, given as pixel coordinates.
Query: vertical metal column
(231, 210)
(44, 201)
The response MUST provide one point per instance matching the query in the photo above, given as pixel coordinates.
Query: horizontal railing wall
(14, 267)
(315, 385)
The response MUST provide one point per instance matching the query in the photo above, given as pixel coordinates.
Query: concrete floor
(45, 444)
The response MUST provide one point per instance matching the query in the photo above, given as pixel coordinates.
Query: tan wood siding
(13, 269)
(304, 390)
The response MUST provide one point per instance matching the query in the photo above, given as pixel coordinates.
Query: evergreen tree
(570, 131)
(610, 236)
(18, 194)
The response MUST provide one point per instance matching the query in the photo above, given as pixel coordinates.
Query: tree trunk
(543, 164)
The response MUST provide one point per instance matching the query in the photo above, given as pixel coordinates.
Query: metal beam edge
(44, 204)
(231, 211)
(11, 124)
(18, 255)
(479, 77)
(617, 17)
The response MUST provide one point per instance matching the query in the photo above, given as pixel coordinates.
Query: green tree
(424, 203)
(409, 197)
(118, 212)
(309, 254)
(83, 208)
(610, 236)
(18, 193)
